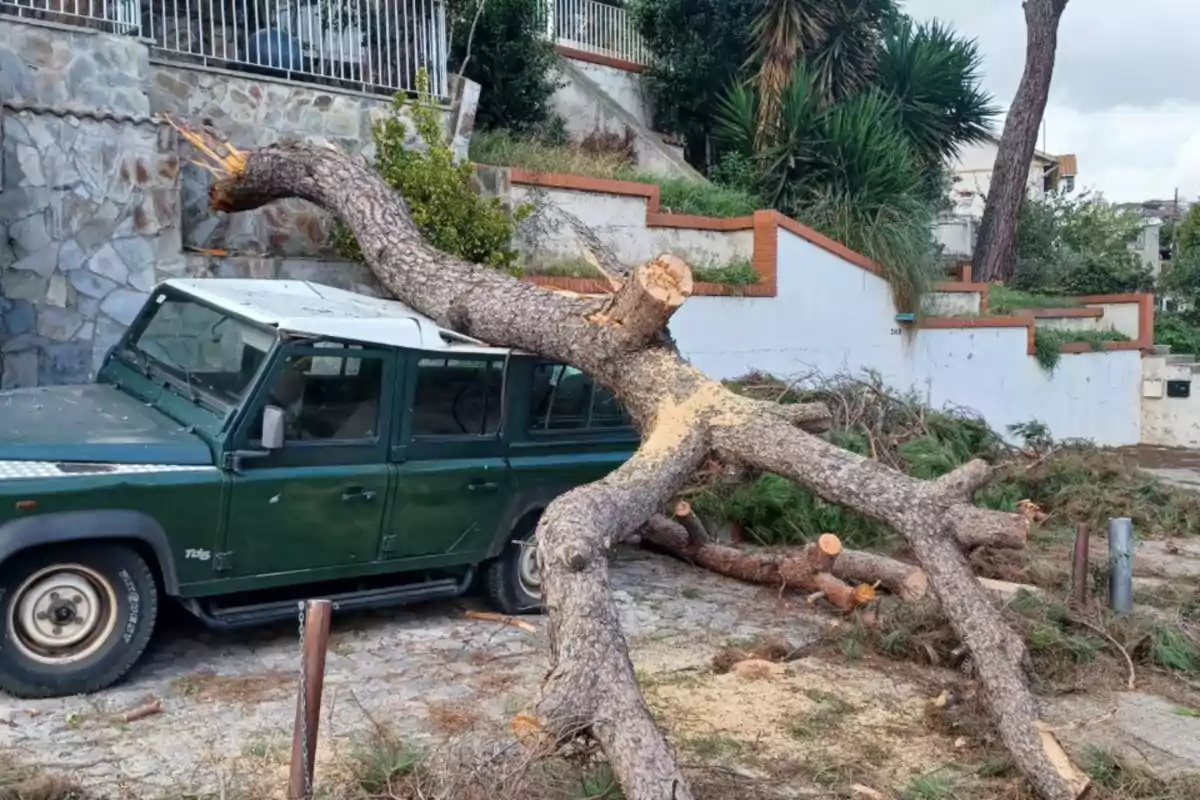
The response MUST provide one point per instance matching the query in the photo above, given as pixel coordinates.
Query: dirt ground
(819, 726)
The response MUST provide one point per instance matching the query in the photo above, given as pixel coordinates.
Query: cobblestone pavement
(227, 697)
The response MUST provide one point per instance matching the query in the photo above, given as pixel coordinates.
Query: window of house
(328, 397)
(458, 397)
(563, 398)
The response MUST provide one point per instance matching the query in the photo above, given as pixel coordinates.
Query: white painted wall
(625, 88)
(587, 108)
(832, 317)
(620, 222)
(1169, 421)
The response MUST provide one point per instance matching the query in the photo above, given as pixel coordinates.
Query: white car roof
(304, 307)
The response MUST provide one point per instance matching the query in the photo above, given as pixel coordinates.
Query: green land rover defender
(248, 444)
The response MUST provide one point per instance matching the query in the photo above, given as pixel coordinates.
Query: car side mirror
(272, 428)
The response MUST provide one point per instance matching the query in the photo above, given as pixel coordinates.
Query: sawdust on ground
(858, 723)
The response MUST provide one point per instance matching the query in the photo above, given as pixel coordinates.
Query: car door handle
(482, 486)
(358, 495)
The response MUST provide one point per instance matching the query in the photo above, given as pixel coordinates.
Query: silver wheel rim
(529, 574)
(62, 614)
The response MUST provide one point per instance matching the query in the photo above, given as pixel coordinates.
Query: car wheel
(514, 580)
(75, 618)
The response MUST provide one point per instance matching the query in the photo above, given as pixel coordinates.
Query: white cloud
(1124, 97)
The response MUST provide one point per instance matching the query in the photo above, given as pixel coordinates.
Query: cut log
(907, 582)
(683, 416)
(697, 535)
(805, 570)
(642, 305)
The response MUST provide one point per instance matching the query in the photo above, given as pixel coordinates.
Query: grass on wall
(736, 272)
(1048, 344)
(677, 195)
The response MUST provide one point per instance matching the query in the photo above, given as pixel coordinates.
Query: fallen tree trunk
(622, 343)
(808, 569)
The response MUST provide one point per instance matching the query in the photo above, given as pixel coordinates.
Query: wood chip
(491, 616)
(143, 711)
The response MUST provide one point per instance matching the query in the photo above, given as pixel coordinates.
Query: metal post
(1079, 568)
(1120, 565)
(308, 699)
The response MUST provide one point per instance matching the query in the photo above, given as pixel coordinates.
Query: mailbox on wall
(1179, 388)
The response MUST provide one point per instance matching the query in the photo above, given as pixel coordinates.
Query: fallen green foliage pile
(1073, 482)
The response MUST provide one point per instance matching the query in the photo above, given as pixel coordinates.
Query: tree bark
(995, 247)
(807, 569)
(683, 416)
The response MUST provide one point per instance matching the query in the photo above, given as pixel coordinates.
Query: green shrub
(1177, 331)
(738, 272)
(1048, 344)
(510, 58)
(440, 194)
(1078, 245)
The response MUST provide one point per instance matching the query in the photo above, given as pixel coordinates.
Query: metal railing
(115, 16)
(595, 28)
(370, 45)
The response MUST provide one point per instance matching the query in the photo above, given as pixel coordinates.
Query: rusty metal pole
(1079, 568)
(308, 698)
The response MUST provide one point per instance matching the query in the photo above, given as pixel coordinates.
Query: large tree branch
(930, 516)
(682, 414)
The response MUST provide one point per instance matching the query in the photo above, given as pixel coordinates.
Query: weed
(935, 786)
(1003, 300)
(599, 783)
(690, 593)
(1048, 344)
(827, 715)
(1119, 780)
(713, 745)
(379, 762)
(1172, 648)
(676, 195)
(738, 272)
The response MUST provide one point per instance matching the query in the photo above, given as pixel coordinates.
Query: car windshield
(201, 349)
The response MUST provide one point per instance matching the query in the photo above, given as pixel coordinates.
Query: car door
(318, 501)
(451, 473)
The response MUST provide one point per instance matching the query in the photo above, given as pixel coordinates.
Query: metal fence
(595, 28)
(370, 45)
(116, 16)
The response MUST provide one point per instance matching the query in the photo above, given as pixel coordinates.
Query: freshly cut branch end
(697, 535)
(643, 304)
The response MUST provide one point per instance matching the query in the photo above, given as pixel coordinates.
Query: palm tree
(782, 34)
(839, 40)
(932, 74)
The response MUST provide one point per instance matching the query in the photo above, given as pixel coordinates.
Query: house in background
(972, 171)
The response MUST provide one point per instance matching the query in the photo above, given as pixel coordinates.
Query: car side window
(458, 397)
(328, 398)
(564, 399)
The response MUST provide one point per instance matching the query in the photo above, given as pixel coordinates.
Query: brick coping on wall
(1028, 321)
(597, 58)
(765, 225)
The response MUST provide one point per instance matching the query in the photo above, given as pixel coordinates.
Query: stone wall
(92, 218)
(252, 113)
(98, 200)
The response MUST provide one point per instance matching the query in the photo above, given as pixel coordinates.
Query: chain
(304, 706)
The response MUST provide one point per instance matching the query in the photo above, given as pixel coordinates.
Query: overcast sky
(1126, 91)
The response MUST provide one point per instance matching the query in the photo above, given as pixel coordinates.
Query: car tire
(74, 619)
(513, 580)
